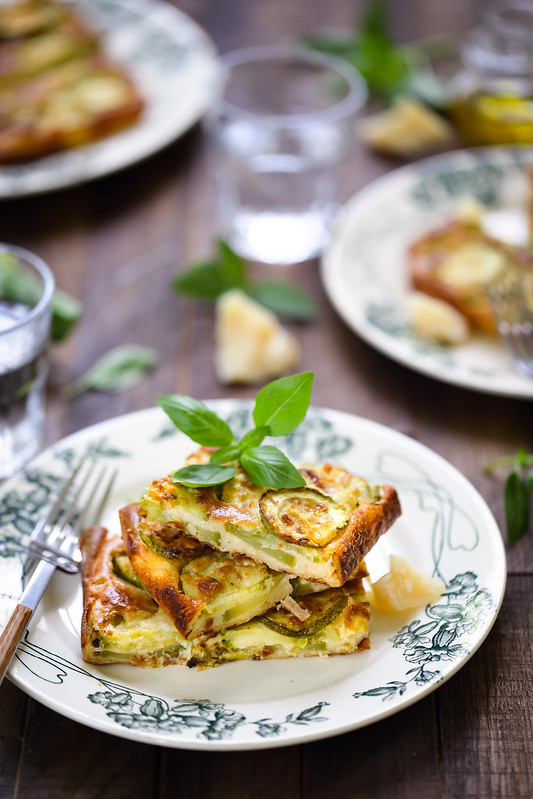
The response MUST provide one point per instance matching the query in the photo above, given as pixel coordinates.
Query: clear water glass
(26, 291)
(280, 126)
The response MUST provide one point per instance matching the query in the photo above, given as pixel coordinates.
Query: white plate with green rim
(364, 269)
(171, 60)
(446, 529)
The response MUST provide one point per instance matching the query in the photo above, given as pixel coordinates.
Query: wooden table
(117, 243)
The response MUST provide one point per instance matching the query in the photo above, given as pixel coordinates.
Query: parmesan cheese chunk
(404, 588)
(436, 320)
(251, 345)
(406, 129)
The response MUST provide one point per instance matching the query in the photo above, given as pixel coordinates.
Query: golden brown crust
(367, 524)
(160, 576)
(104, 594)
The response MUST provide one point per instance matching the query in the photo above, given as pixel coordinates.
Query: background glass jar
(493, 94)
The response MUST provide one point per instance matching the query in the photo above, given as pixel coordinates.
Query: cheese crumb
(404, 588)
(436, 320)
(251, 345)
(407, 129)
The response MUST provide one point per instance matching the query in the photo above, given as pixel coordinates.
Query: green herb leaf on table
(279, 408)
(203, 281)
(18, 286)
(390, 70)
(208, 280)
(517, 491)
(283, 299)
(516, 502)
(119, 369)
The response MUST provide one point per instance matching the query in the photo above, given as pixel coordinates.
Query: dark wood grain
(117, 243)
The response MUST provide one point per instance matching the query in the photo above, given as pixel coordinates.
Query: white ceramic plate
(171, 60)
(446, 529)
(365, 274)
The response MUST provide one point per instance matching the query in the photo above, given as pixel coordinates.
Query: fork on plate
(511, 297)
(54, 544)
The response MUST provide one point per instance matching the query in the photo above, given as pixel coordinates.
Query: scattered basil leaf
(196, 420)
(18, 286)
(210, 279)
(118, 370)
(517, 491)
(267, 466)
(199, 475)
(66, 310)
(390, 70)
(203, 281)
(284, 299)
(282, 404)
(516, 501)
(232, 267)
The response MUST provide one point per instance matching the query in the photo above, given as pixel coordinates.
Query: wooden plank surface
(117, 243)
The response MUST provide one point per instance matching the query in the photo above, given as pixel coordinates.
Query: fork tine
(57, 541)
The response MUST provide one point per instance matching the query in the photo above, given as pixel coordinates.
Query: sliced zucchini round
(302, 515)
(324, 611)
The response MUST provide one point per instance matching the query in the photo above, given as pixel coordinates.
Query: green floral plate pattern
(446, 529)
(365, 274)
(170, 58)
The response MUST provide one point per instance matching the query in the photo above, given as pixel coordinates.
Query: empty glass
(26, 291)
(280, 125)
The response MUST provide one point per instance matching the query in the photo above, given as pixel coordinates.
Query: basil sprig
(210, 279)
(517, 491)
(279, 408)
(390, 70)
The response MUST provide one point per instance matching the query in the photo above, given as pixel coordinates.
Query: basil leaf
(232, 267)
(118, 370)
(226, 454)
(196, 420)
(203, 281)
(516, 502)
(203, 475)
(18, 286)
(284, 299)
(66, 310)
(282, 404)
(268, 467)
(254, 437)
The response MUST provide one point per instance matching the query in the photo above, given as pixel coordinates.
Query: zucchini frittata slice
(121, 623)
(332, 622)
(320, 532)
(201, 589)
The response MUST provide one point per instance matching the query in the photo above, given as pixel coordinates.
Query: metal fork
(511, 297)
(54, 543)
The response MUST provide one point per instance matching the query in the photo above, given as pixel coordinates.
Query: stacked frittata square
(203, 576)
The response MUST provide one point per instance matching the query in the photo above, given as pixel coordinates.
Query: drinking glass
(26, 291)
(280, 126)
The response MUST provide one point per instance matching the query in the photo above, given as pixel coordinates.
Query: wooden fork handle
(11, 635)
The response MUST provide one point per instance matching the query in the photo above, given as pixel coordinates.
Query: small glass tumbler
(280, 125)
(26, 292)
